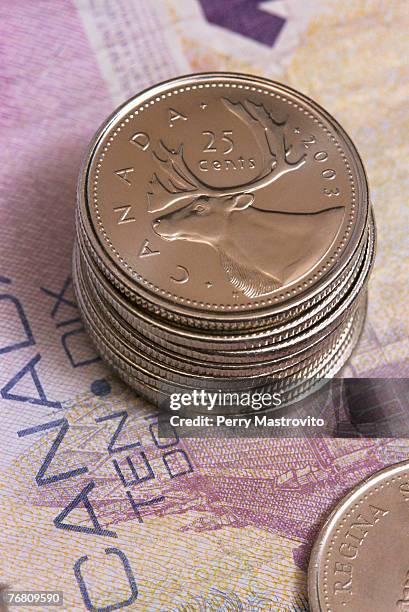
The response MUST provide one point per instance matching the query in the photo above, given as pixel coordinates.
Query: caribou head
(259, 249)
(205, 219)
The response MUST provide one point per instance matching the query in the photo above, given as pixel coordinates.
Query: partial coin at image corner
(224, 238)
(359, 562)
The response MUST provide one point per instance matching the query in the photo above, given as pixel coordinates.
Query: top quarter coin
(223, 197)
(360, 561)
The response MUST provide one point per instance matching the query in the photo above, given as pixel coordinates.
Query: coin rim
(211, 362)
(273, 369)
(362, 199)
(330, 525)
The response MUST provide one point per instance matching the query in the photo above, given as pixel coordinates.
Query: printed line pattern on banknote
(237, 529)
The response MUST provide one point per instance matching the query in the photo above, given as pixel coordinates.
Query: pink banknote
(93, 502)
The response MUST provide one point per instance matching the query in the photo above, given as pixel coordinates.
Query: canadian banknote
(92, 501)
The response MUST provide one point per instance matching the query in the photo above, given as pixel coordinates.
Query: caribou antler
(177, 182)
(268, 132)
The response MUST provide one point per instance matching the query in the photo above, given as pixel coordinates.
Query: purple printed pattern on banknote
(236, 529)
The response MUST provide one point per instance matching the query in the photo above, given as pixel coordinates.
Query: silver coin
(359, 561)
(314, 236)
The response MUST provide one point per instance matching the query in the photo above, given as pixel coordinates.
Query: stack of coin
(224, 238)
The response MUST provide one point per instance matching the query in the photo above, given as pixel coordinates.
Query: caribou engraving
(259, 249)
